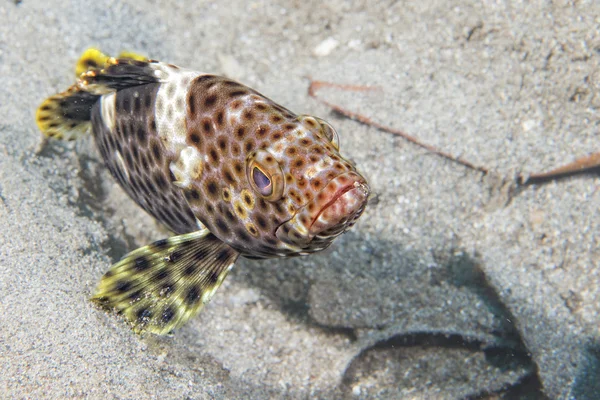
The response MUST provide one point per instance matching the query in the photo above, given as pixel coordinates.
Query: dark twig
(316, 85)
(584, 165)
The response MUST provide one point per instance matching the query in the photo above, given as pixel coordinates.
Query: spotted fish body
(227, 169)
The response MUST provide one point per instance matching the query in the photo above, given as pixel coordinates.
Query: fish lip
(359, 192)
(356, 185)
(348, 191)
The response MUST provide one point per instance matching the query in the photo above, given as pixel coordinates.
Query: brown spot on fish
(222, 143)
(239, 168)
(226, 195)
(236, 105)
(243, 236)
(229, 178)
(262, 204)
(193, 194)
(221, 226)
(212, 188)
(235, 149)
(262, 131)
(220, 118)
(194, 138)
(261, 221)
(240, 132)
(156, 151)
(160, 181)
(207, 127)
(250, 227)
(229, 215)
(214, 155)
(137, 105)
(276, 135)
(248, 199)
(240, 210)
(210, 101)
(191, 101)
(237, 93)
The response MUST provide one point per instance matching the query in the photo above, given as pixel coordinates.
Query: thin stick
(316, 85)
(583, 165)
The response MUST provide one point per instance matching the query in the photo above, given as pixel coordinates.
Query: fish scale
(230, 171)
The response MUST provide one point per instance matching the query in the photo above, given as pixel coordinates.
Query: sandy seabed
(450, 286)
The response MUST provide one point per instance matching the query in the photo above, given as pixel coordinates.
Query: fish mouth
(331, 212)
(343, 206)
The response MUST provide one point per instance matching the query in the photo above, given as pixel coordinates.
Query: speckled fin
(94, 59)
(118, 73)
(160, 286)
(67, 115)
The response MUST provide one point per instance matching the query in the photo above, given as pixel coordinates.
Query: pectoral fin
(160, 286)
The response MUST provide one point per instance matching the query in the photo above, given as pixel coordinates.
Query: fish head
(322, 193)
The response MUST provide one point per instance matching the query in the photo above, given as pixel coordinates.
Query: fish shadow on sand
(402, 309)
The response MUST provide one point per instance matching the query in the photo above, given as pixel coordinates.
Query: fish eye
(330, 133)
(262, 182)
(265, 175)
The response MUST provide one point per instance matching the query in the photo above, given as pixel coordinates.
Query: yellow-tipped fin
(132, 56)
(160, 286)
(66, 115)
(93, 59)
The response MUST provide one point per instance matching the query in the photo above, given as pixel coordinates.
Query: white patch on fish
(107, 110)
(171, 104)
(187, 168)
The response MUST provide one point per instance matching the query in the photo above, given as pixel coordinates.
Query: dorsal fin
(93, 59)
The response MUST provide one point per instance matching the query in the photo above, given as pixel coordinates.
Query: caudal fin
(67, 115)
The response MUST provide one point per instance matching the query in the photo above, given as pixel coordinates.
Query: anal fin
(161, 286)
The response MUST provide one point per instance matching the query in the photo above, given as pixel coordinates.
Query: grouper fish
(229, 171)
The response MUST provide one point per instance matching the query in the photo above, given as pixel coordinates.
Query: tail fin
(67, 115)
